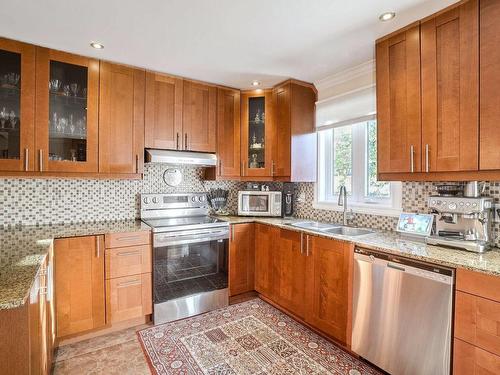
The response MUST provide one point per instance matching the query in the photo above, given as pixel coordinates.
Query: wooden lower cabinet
(128, 276)
(477, 324)
(125, 261)
(129, 297)
(289, 271)
(329, 278)
(471, 360)
(27, 335)
(265, 244)
(306, 275)
(241, 258)
(79, 287)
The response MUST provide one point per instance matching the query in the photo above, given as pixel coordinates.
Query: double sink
(331, 228)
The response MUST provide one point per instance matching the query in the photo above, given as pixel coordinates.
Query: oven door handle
(182, 239)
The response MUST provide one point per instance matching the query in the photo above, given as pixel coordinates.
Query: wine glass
(74, 88)
(54, 85)
(12, 118)
(3, 117)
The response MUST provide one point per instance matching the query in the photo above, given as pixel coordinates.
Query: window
(348, 156)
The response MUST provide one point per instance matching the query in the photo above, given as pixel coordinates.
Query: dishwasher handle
(401, 264)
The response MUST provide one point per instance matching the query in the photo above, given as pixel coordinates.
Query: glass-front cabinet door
(17, 93)
(256, 134)
(67, 112)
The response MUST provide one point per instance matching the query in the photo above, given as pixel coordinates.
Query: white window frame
(358, 202)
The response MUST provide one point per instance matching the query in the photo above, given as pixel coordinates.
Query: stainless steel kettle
(474, 189)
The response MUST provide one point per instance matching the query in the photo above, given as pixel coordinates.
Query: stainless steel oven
(190, 255)
(190, 274)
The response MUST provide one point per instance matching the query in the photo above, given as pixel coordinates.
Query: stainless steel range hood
(199, 159)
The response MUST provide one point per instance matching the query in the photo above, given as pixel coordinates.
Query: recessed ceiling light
(96, 45)
(255, 83)
(387, 16)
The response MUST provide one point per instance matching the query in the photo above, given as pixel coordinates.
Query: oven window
(184, 270)
(255, 203)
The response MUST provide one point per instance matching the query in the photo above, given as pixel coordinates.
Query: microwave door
(255, 204)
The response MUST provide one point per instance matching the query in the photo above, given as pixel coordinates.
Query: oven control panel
(166, 201)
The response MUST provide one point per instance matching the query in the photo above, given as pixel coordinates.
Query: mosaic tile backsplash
(46, 201)
(414, 194)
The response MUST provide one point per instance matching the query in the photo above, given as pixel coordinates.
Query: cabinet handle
(272, 168)
(130, 283)
(40, 159)
(220, 167)
(128, 253)
(185, 141)
(178, 136)
(26, 159)
(231, 233)
(301, 243)
(125, 238)
(412, 164)
(307, 245)
(97, 247)
(136, 163)
(427, 168)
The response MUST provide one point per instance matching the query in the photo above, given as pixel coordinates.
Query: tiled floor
(115, 353)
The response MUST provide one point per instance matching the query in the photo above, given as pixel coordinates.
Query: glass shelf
(10, 105)
(256, 133)
(66, 108)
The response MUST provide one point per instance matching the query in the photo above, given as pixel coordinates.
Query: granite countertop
(23, 249)
(392, 242)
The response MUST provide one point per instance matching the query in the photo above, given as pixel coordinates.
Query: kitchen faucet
(343, 202)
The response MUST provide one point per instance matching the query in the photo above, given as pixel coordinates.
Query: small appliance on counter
(288, 195)
(462, 222)
(259, 203)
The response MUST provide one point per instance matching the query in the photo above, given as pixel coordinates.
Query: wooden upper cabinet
(67, 101)
(17, 106)
(80, 285)
(294, 132)
(163, 116)
(398, 102)
(450, 90)
(228, 132)
(257, 132)
(199, 117)
(489, 83)
(241, 259)
(329, 276)
(121, 119)
(289, 268)
(282, 158)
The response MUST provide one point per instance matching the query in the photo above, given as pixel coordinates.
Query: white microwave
(259, 203)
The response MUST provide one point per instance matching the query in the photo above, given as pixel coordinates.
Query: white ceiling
(229, 42)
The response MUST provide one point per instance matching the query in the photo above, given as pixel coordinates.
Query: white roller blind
(351, 107)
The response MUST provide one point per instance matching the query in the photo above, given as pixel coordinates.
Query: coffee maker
(287, 197)
(462, 222)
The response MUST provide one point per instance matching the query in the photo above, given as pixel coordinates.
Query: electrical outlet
(302, 198)
(496, 213)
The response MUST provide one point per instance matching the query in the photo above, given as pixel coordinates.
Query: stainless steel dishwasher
(402, 314)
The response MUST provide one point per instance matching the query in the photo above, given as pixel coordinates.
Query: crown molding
(346, 75)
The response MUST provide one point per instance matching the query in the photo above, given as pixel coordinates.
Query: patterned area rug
(248, 338)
